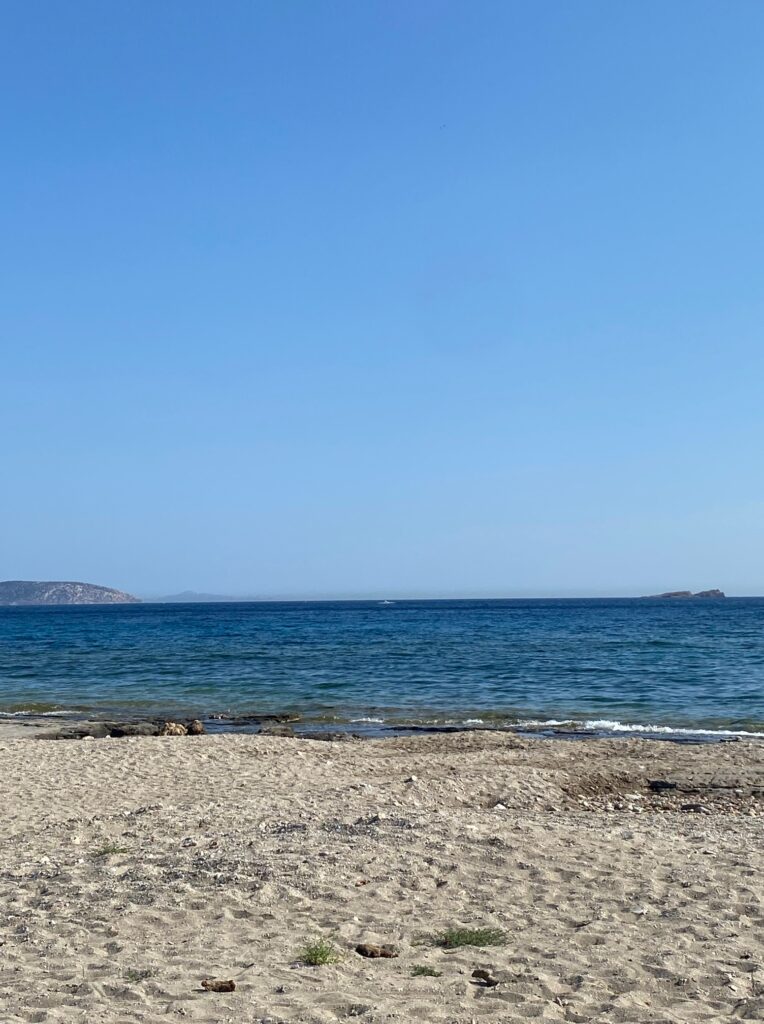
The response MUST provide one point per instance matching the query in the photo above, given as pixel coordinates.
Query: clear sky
(395, 297)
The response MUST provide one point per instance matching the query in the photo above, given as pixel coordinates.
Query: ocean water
(644, 665)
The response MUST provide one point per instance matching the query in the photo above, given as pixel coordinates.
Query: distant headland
(689, 593)
(16, 592)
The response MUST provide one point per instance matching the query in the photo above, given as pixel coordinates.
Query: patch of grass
(423, 971)
(452, 938)
(108, 849)
(319, 952)
(135, 975)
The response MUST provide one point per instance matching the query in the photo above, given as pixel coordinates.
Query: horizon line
(200, 597)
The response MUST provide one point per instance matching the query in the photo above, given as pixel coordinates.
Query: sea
(682, 669)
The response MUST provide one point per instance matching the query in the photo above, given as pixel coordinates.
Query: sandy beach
(624, 876)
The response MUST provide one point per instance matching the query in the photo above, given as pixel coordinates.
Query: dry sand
(231, 852)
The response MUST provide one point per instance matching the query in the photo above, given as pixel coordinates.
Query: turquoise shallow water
(621, 663)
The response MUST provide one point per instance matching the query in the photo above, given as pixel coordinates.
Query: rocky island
(689, 593)
(22, 592)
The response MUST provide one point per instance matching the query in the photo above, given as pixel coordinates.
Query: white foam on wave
(612, 725)
(373, 721)
(669, 730)
(546, 721)
(33, 714)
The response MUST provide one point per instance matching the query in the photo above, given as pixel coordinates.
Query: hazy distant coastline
(48, 592)
(392, 597)
(193, 597)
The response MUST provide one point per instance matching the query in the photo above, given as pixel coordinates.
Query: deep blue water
(686, 664)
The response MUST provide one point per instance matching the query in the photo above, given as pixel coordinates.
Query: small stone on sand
(485, 977)
(173, 729)
(219, 985)
(373, 952)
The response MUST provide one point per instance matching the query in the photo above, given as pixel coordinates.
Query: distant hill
(689, 593)
(28, 592)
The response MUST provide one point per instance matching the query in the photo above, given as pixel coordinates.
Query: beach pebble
(485, 977)
(219, 985)
(373, 952)
(173, 729)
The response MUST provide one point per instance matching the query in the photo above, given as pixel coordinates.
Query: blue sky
(383, 297)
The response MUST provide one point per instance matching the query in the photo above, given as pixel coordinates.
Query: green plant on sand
(452, 938)
(132, 974)
(319, 952)
(424, 971)
(108, 848)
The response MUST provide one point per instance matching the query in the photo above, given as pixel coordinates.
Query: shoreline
(76, 724)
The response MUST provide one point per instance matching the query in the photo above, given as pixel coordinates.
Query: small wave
(473, 721)
(667, 730)
(546, 721)
(33, 714)
(371, 721)
(613, 725)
